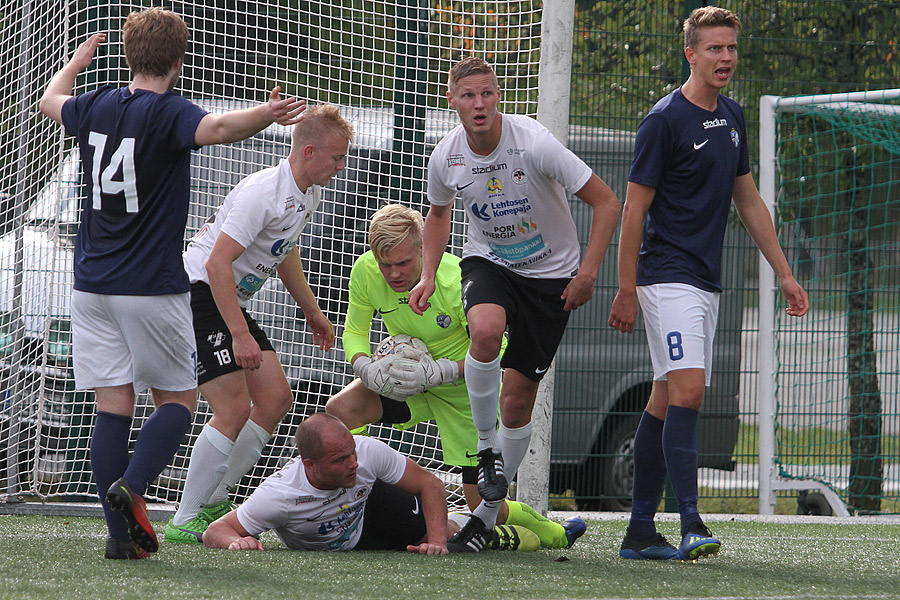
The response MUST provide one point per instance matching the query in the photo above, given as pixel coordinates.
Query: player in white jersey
(254, 234)
(520, 267)
(343, 492)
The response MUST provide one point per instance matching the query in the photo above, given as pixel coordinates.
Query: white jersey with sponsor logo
(307, 518)
(265, 213)
(514, 198)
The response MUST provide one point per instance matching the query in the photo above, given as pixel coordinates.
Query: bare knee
(485, 345)
(517, 399)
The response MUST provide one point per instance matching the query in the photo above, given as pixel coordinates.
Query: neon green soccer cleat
(211, 512)
(189, 533)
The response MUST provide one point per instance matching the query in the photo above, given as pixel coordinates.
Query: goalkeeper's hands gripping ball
(424, 373)
(375, 375)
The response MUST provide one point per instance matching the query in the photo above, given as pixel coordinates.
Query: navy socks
(109, 459)
(156, 444)
(679, 440)
(649, 476)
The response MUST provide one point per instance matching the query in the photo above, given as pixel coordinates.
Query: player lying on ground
(403, 391)
(343, 492)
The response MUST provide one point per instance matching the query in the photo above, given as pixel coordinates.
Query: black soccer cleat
(514, 537)
(123, 499)
(124, 550)
(473, 537)
(492, 483)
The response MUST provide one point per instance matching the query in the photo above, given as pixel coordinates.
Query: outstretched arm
(430, 490)
(755, 216)
(60, 87)
(237, 125)
(228, 533)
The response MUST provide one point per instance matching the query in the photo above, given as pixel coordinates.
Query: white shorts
(681, 323)
(144, 340)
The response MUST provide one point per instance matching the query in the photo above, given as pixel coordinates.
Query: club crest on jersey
(518, 176)
(362, 492)
(456, 160)
(735, 138)
(494, 187)
(216, 338)
(443, 320)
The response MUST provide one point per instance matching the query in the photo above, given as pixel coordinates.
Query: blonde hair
(393, 224)
(317, 123)
(154, 40)
(468, 66)
(705, 17)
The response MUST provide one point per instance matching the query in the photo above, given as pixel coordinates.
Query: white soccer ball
(401, 345)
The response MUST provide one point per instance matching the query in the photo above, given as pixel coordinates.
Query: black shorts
(393, 520)
(215, 355)
(535, 317)
(393, 412)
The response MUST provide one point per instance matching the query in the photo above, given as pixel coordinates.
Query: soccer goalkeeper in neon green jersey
(409, 391)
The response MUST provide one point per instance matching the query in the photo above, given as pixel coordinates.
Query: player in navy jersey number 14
(690, 160)
(131, 318)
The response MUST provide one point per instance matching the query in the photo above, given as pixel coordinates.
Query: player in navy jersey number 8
(131, 319)
(690, 160)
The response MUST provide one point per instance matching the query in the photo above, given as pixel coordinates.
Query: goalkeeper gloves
(424, 373)
(375, 375)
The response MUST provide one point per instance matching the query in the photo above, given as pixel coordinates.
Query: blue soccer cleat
(697, 542)
(656, 547)
(575, 528)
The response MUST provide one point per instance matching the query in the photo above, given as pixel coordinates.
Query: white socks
(513, 445)
(483, 384)
(246, 452)
(488, 512)
(209, 461)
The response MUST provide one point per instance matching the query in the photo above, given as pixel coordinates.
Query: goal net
(384, 63)
(835, 413)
